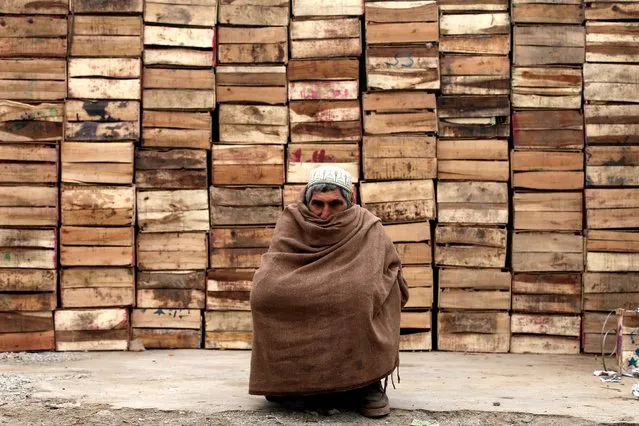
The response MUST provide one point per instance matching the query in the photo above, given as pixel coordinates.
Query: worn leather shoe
(374, 402)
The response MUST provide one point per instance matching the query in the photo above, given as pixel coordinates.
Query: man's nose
(326, 212)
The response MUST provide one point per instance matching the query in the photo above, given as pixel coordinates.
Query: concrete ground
(210, 383)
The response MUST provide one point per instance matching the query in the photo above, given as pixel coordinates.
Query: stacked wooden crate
(547, 176)
(172, 172)
(33, 44)
(247, 162)
(399, 146)
(102, 123)
(611, 93)
(473, 171)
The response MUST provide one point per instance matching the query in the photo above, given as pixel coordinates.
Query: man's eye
(335, 203)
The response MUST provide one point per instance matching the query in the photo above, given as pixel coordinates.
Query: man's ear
(353, 199)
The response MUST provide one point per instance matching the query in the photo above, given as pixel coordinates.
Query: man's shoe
(374, 402)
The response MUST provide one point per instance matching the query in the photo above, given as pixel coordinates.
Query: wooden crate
(179, 57)
(92, 163)
(535, 45)
(546, 87)
(328, 7)
(171, 169)
(605, 291)
(303, 158)
(102, 121)
(599, 333)
(251, 84)
(328, 90)
(228, 330)
(548, 11)
(548, 130)
(611, 124)
(100, 81)
(173, 211)
(475, 75)
(164, 328)
(100, 36)
(612, 166)
(165, 36)
(470, 246)
(233, 248)
(91, 287)
(448, 6)
(26, 331)
(481, 203)
(548, 293)
(612, 208)
(172, 251)
(229, 289)
(252, 45)
(202, 13)
(27, 7)
(627, 345)
(392, 112)
(474, 160)
(611, 42)
(247, 165)
(97, 205)
(29, 163)
(547, 170)
(33, 36)
(469, 331)
(548, 211)
(474, 289)
(171, 290)
(176, 129)
(27, 290)
(253, 124)
(271, 13)
(545, 334)
(489, 117)
(402, 157)
(25, 123)
(28, 248)
(415, 331)
(178, 90)
(547, 252)
(91, 6)
(612, 251)
(400, 201)
(325, 38)
(413, 244)
(92, 329)
(482, 32)
(599, 10)
(97, 246)
(325, 121)
(28, 206)
(402, 67)
(611, 83)
(232, 206)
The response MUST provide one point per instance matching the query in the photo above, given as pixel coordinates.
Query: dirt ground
(204, 387)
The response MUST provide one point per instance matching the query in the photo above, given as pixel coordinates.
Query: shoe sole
(375, 412)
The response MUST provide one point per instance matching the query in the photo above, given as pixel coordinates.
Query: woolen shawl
(326, 305)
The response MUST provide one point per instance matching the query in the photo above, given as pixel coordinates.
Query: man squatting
(326, 302)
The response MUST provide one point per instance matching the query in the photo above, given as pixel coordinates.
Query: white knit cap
(333, 175)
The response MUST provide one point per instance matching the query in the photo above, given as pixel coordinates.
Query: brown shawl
(326, 303)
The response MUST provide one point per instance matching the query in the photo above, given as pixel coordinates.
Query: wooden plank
(29, 7)
(252, 12)
(464, 299)
(545, 251)
(173, 211)
(171, 280)
(546, 87)
(556, 345)
(402, 67)
(97, 206)
(611, 124)
(474, 342)
(28, 341)
(169, 99)
(105, 67)
(534, 46)
(178, 37)
(498, 44)
(475, 65)
(399, 201)
(241, 237)
(91, 319)
(171, 169)
(106, 45)
(162, 338)
(170, 78)
(416, 320)
(612, 11)
(328, 8)
(611, 166)
(179, 57)
(228, 301)
(185, 319)
(248, 165)
(611, 82)
(470, 246)
(81, 163)
(33, 26)
(172, 251)
(25, 322)
(101, 88)
(464, 6)
(170, 298)
(26, 123)
(196, 14)
(489, 117)
(553, 211)
(245, 206)
(230, 279)
(472, 202)
(611, 41)
(476, 24)
(613, 241)
(554, 129)
(399, 157)
(28, 280)
(550, 13)
(228, 340)
(401, 11)
(415, 342)
(302, 158)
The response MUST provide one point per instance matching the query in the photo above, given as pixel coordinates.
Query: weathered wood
(612, 11)
(255, 83)
(548, 12)
(248, 165)
(241, 237)
(164, 338)
(399, 157)
(173, 211)
(611, 82)
(416, 320)
(476, 44)
(400, 201)
(473, 331)
(325, 38)
(534, 45)
(179, 57)
(230, 279)
(611, 124)
(612, 208)
(613, 241)
(26, 123)
(612, 166)
(110, 164)
(554, 211)
(267, 45)
(172, 251)
(228, 301)
(402, 67)
(228, 339)
(171, 280)
(555, 129)
(546, 88)
(97, 206)
(27, 341)
(25, 322)
(28, 280)
(328, 7)
(199, 13)
(556, 345)
(466, 246)
(36, 207)
(477, 160)
(170, 298)
(612, 41)
(245, 206)
(29, 7)
(184, 319)
(171, 169)
(399, 112)
(489, 117)
(302, 158)
(472, 202)
(179, 99)
(253, 124)
(92, 6)
(546, 251)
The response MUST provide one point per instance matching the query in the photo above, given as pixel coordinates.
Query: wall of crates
(147, 148)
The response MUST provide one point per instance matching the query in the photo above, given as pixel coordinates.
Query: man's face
(327, 204)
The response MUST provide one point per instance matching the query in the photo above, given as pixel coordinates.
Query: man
(326, 300)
